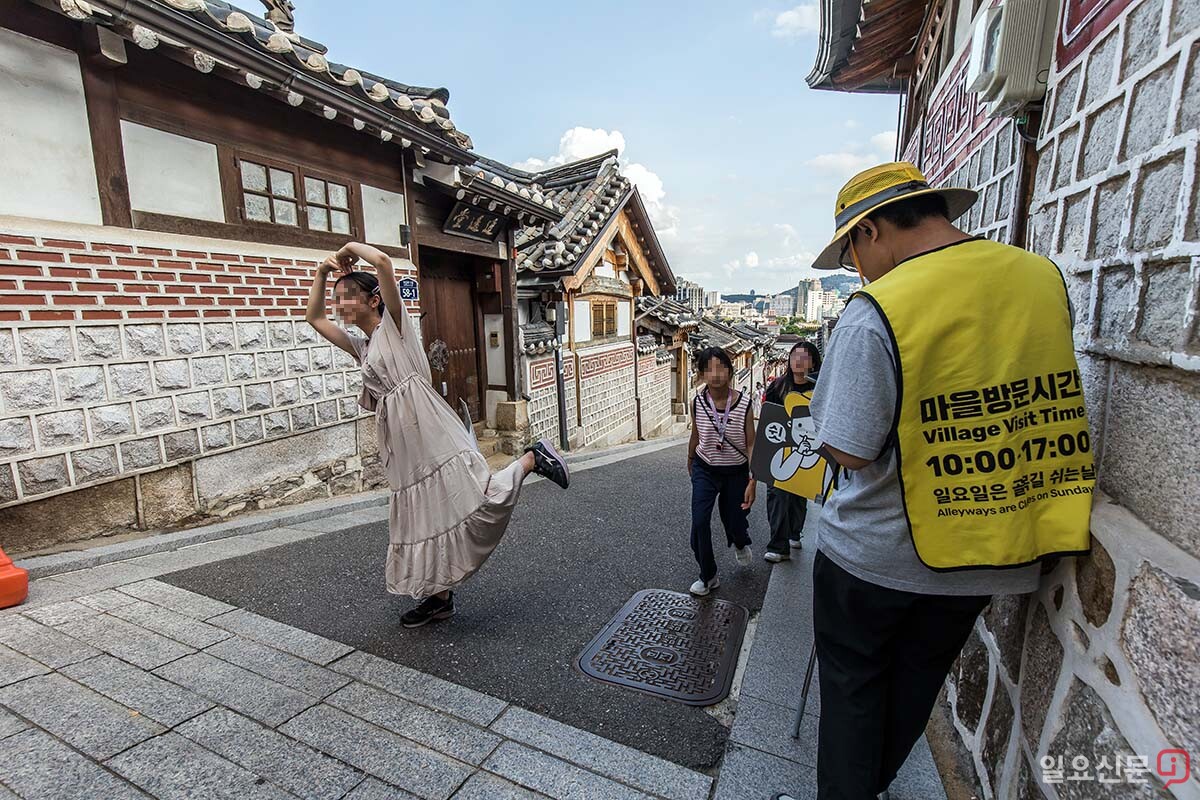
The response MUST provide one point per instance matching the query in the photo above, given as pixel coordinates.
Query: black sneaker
(432, 609)
(549, 464)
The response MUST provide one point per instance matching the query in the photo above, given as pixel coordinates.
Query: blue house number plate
(408, 289)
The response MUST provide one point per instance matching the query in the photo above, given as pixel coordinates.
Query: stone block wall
(1104, 661)
(149, 380)
(655, 373)
(606, 393)
(543, 398)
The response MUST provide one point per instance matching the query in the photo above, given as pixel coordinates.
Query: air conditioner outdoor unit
(1011, 48)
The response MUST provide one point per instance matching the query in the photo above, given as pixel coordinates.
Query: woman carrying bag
(719, 464)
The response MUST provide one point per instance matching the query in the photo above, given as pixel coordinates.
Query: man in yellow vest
(950, 397)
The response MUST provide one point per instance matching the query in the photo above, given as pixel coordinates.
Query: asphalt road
(569, 561)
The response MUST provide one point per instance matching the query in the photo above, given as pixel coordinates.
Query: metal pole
(559, 382)
(808, 673)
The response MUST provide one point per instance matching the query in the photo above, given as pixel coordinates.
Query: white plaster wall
(496, 355)
(583, 321)
(46, 164)
(624, 318)
(171, 174)
(383, 214)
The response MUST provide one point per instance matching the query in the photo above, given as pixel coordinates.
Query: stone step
(489, 446)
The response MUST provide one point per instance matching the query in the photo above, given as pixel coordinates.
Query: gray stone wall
(655, 373)
(1104, 660)
(127, 422)
(606, 392)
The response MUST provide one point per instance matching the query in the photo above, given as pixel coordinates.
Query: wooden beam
(628, 237)
(108, 150)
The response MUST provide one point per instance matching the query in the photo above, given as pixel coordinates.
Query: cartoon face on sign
(785, 455)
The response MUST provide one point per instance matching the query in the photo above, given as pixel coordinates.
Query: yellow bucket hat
(877, 187)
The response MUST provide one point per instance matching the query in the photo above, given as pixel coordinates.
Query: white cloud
(580, 142)
(856, 157)
(799, 21)
(851, 123)
(790, 234)
(751, 259)
(577, 143)
(884, 142)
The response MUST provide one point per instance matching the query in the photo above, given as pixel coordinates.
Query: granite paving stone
(106, 576)
(598, 754)
(285, 535)
(425, 689)
(43, 592)
(381, 753)
(279, 666)
(555, 777)
(126, 641)
(285, 762)
(80, 717)
(437, 731)
(39, 767)
(300, 643)
(105, 599)
(341, 522)
(749, 773)
(179, 600)
(153, 697)
(47, 645)
(768, 727)
(5, 794)
(255, 696)
(59, 613)
(171, 766)
(482, 786)
(220, 549)
(10, 724)
(16, 667)
(171, 624)
(375, 789)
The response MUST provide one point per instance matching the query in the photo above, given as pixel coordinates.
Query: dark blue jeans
(724, 487)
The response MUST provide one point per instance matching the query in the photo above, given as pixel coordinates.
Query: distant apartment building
(691, 295)
(783, 305)
(712, 299)
(820, 303)
(730, 310)
(803, 289)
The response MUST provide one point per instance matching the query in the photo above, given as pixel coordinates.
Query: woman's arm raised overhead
(315, 313)
(378, 259)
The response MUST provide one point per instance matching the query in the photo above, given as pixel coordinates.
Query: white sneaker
(796, 544)
(775, 558)
(700, 588)
(743, 555)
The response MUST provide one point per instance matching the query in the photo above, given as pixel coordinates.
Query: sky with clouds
(736, 158)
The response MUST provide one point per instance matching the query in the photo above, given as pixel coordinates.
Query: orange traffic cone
(14, 583)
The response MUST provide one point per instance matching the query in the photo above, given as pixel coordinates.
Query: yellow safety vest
(994, 452)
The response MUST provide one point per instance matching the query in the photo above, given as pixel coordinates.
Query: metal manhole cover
(670, 644)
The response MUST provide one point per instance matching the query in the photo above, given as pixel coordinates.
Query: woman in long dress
(447, 510)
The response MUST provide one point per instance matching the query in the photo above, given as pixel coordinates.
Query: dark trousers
(883, 656)
(724, 487)
(786, 513)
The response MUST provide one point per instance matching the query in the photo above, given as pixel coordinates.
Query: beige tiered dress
(447, 510)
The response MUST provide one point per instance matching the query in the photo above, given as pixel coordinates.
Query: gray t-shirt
(863, 528)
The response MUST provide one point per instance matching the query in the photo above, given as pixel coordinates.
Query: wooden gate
(451, 329)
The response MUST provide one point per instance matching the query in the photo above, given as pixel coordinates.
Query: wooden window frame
(608, 320)
(234, 195)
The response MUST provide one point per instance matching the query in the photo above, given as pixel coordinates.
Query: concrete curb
(72, 560)
(57, 563)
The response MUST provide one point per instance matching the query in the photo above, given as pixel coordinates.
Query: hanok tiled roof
(214, 36)
(714, 334)
(538, 338)
(752, 334)
(590, 193)
(669, 311)
(646, 344)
